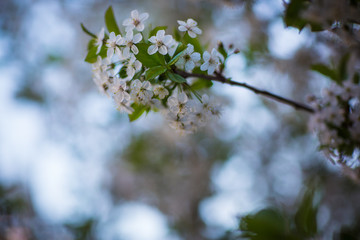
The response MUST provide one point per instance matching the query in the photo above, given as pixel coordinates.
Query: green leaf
(222, 50)
(138, 111)
(342, 69)
(155, 30)
(305, 217)
(180, 48)
(154, 72)
(110, 21)
(293, 14)
(193, 41)
(177, 35)
(175, 77)
(122, 72)
(146, 59)
(87, 31)
(177, 56)
(325, 70)
(91, 57)
(201, 83)
(266, 224)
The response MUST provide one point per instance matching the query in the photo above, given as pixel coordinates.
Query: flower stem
(220, 78)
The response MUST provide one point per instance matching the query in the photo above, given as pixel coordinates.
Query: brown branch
(220, 78)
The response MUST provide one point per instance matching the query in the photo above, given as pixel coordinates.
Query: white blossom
(190, 26)
(133, 66)
(136, 21)
(141, 91)
(189, 58)
(99, 40)
(211, 61)
(160, 42)
(113, 45)
(160, 91)
(178, 105)
(129, 41)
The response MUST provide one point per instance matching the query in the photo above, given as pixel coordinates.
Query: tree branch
(220, 78)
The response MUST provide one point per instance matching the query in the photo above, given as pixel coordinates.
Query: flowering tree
(144, 69)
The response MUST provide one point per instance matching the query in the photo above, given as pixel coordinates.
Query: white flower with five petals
(211, 61)
(133, 66)
(136, 21)
(160, 42)
(141, 91)
(160, 91)
(129, 41)
(188, 59)
(190, 26)
(113, 45)
(179, 105)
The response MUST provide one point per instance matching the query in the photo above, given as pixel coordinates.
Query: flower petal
(182, 28)
(152, 49)
(135, 14)
(182, 98)
(205, 66)
(163, 50)
(182, 23)
(189, 65)
(206, 56)
(195, 56)
(137, 38)
(134, 49)
(127, 22)
(192, 34)
(143, 17)
(140, 27)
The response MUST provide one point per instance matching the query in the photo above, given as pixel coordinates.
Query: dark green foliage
(83, 230)
(293, 16)
(338, 74)
(305, 217)
(274, 224)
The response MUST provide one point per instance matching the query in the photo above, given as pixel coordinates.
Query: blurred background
(72, 167)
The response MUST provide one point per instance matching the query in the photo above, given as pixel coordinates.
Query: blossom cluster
(337, 122)
(138, 71)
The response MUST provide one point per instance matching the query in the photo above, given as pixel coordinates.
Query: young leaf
(110, 21)
(122, 72)
(155, 30)
(146, 59)
(91, 57)
(343, 67)
(177, 35)
(201, 83)
(138, 111)
(154, 72)
(175, 58)
(87, 31)
(194, 41)
(222, 50)
(175, 77)
(305, 217)
(325, 70)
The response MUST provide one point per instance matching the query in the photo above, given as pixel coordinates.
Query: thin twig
(220, 78)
